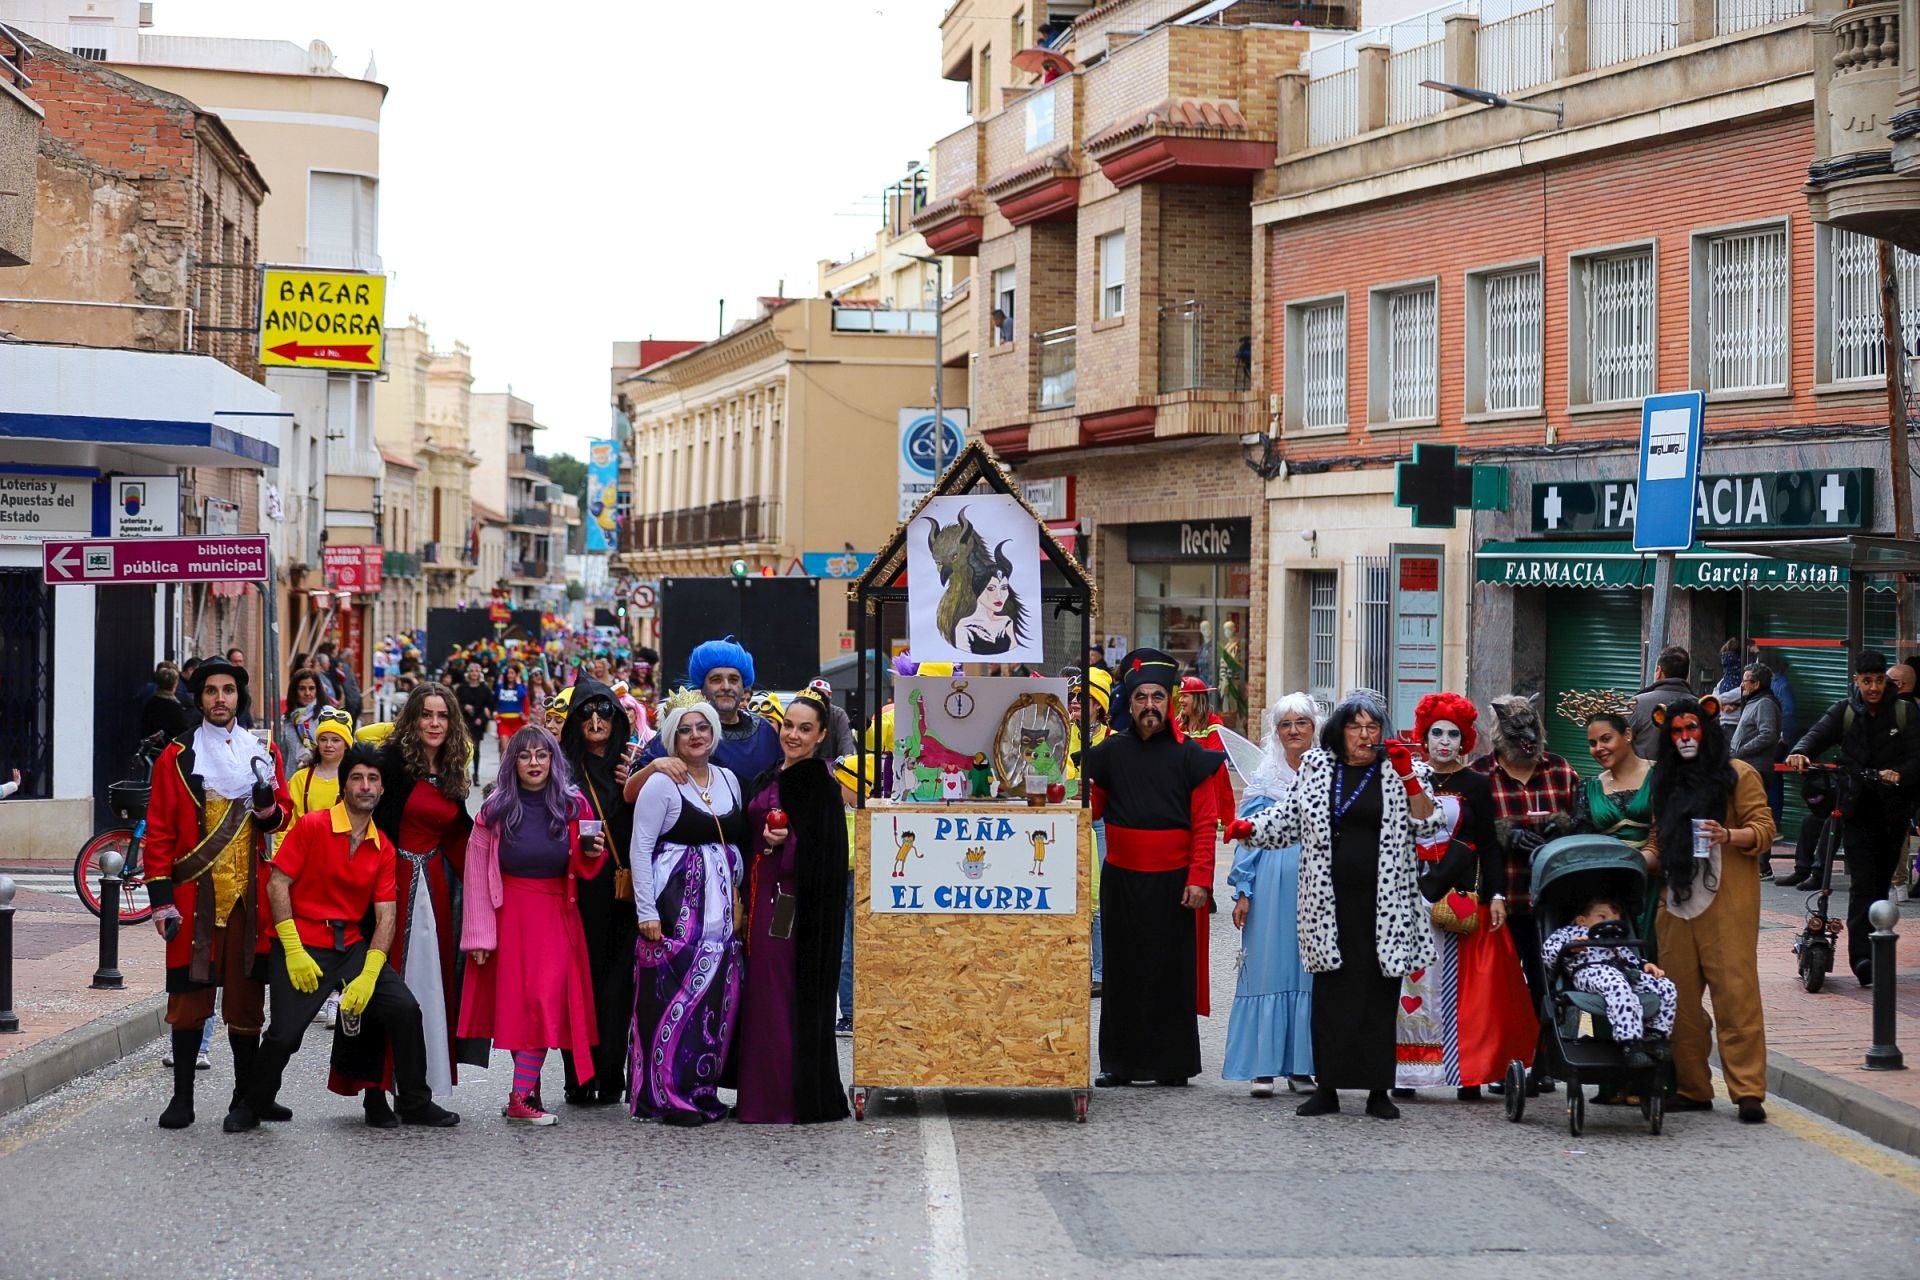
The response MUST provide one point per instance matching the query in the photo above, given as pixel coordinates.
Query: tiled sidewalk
(1817, 1042)
(55, 953)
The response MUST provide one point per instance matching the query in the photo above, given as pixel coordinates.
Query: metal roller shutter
(1818, 675)
(1593, 642)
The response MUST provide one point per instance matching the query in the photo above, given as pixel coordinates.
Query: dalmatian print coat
(1305, 815)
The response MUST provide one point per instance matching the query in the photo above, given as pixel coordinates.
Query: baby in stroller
(1617, 974)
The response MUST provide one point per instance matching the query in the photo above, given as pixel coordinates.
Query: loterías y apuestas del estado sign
(1829, 498)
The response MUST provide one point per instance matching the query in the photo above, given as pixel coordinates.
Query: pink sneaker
(524, 1108)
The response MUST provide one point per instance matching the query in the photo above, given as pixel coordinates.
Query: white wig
(1273, 778)
(673, 717)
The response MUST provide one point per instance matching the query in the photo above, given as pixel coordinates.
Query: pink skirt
(536, 992)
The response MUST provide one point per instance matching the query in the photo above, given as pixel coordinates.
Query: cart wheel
(1081, 1098)
(1576, 1108)
(1516, 1090)
(1655, 1107)
(859, 1097)
(1816, 958)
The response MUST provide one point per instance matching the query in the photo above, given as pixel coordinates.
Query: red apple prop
(777, 820)
(1056, 792)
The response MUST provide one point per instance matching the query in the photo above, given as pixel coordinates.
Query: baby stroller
(1568, 873)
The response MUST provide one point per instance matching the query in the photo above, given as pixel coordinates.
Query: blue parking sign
(1669, 471)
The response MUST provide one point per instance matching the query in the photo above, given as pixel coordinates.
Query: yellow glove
(354, 999)
(301, 970)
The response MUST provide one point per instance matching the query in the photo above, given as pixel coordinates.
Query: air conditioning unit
(146, 13)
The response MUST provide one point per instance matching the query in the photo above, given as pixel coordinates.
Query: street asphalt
(1204, 1181)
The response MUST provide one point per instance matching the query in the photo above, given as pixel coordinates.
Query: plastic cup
(1702, 841)
(591, 827)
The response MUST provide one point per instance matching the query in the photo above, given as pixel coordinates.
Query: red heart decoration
(1415, 976)
(1411, 1003)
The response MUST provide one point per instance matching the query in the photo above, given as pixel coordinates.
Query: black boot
(179, 1112)
(246, 1049)
(1323, 1102)
(379, 1114)
(263, 1087)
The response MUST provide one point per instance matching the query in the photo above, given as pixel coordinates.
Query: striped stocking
(526, 1069)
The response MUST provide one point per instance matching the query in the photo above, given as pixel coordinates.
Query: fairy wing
(1243, 753)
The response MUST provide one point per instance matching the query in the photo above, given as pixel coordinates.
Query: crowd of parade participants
(656, 881)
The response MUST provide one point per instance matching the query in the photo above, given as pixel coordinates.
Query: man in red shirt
(332, 869)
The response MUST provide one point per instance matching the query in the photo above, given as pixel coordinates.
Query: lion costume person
(1709, 919)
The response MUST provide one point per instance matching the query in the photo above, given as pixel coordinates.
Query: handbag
(1456, 913)
(623, 884)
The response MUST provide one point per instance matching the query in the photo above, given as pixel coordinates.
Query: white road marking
(946, 1210)
(59, 883)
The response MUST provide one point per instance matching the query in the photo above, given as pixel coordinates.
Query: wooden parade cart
(972, 969)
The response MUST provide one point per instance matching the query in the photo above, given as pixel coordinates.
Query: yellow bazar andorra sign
(322, 319)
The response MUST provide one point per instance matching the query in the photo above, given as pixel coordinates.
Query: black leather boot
(179, 1112)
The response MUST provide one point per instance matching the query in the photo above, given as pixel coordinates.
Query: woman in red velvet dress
(425, 765)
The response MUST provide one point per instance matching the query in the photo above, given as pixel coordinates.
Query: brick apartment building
(1476, 277)
(1109, 212)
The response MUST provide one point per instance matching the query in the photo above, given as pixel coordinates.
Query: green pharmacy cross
(1438, 488)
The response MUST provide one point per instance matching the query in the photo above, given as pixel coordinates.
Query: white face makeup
(1444, 742)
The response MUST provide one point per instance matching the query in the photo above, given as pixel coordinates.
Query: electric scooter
(1819, 939)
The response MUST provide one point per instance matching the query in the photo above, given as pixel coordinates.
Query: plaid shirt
(1552, 789)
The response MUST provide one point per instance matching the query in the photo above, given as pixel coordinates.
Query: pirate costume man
(1155, 790)
(218, 793)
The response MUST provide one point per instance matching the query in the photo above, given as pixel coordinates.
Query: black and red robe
(1158, 799)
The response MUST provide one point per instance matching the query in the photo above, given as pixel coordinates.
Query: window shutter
(330, 213)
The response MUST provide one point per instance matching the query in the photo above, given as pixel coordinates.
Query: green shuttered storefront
(1593, 642)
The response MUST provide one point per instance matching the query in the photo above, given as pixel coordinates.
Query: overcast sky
(546, 190)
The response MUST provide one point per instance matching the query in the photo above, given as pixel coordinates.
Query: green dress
(1627, 816)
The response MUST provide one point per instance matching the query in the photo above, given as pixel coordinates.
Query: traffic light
(739, 568)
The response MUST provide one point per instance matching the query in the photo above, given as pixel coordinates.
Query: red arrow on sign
(294, 351)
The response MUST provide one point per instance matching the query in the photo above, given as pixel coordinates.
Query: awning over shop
(1614, 563)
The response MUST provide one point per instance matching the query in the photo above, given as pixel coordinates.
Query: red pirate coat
(176, 823)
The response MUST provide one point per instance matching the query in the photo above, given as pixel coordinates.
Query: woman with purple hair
(529, 988)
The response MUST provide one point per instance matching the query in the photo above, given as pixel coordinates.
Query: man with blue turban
(749, 746)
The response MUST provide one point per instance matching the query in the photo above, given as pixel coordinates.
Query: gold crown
(1582, 705)
(977, 855)
(680, 700)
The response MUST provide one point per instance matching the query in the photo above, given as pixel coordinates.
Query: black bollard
(107, 976)
(1885, 1054)
(9, 1021)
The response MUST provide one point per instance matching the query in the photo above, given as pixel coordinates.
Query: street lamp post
(939, 370)
(1488, 98)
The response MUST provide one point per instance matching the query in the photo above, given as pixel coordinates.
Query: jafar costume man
(218, 792)
(1155, 790)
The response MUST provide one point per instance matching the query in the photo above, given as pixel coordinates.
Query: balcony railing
(536, 569)
(525, 462)
(739, 522)
(1203, 346)
(534, 517)
(883, 320)
(1055, 352)
(1372, 78)
(399, 564)
(445, 556)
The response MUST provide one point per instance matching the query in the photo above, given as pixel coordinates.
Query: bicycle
(1819, 938)
(128, 801)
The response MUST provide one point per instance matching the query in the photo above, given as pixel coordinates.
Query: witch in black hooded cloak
(594, 741)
